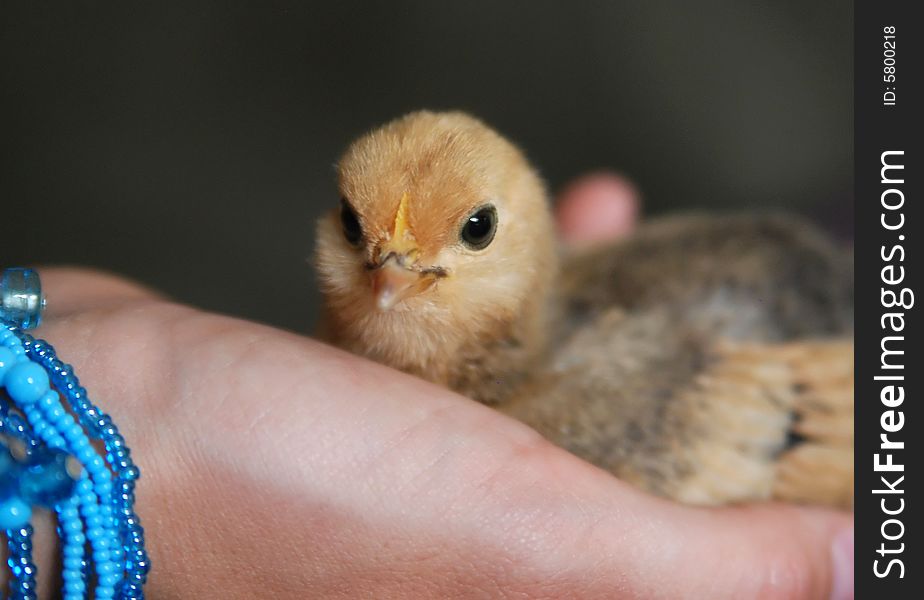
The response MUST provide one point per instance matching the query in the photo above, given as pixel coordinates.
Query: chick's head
(442, 238)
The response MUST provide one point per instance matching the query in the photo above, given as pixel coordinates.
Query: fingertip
(595, 208)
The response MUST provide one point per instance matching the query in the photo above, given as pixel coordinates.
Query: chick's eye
(352, 230)
(479, 228)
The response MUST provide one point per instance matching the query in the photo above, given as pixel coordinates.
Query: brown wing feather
(704, 423)
(707, 360)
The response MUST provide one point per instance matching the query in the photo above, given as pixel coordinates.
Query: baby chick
(706, 359)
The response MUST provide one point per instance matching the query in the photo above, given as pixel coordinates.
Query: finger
(74, 289)
(599, 207)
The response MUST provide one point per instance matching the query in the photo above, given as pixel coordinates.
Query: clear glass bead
(21, 299)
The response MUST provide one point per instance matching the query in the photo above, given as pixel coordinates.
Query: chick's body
(707, 359)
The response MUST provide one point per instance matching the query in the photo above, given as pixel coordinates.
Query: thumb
(595, 208)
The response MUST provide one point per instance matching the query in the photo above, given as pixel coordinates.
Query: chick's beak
(395, 279)
(393, 283)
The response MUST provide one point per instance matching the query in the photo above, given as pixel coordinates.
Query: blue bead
(55, 413)
(86, 455)
(95, 522)
(73, 432)
(46, 480)
(21, 299)
(26, 382)
(48, 400)
(69, 512)
(75, 586)
(96, 465)
(39, 428)
(7, 360)
(72, 527)
(14, 513)
(131, 473)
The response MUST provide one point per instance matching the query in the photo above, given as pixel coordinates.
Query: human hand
(276, 466)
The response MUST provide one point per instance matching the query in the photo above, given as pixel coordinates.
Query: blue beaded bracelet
(102, 538)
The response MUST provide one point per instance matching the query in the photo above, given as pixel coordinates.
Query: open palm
(275, 466)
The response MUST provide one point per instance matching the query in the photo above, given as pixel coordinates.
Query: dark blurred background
(191, 145)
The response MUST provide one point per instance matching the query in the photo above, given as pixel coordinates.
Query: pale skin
(276, 466)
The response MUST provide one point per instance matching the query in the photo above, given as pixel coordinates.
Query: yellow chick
(706, 359)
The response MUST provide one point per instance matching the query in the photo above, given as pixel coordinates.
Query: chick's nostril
(381, 258)
(398, 259)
